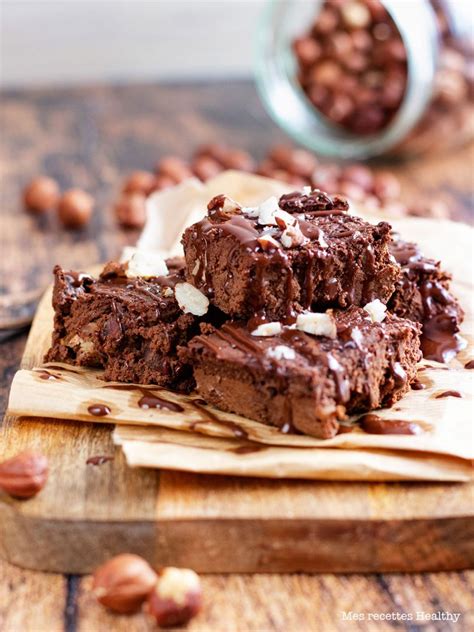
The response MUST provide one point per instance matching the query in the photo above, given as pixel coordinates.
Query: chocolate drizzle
(373, 424)
(150, 400)
(208, 416)
(469, 365)
(440, 312)
(98, 410)
(448, 394)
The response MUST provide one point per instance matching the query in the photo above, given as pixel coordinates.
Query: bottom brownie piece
(131, 327)
(422, 295)
(304, 382)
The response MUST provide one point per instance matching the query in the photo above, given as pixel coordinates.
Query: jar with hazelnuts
(354, 79)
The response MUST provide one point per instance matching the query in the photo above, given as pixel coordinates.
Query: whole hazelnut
(75, 208)
(140, 182)
(164, 182)
(123, 583)
(173, 168)
(24, 475)
(205, 168)
(386, 186)
(41, 194)
(130, 210)
(176, 597)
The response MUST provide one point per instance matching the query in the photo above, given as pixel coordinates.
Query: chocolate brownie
(298, 381)
(422, 295)
(303, 251)
(129, 326)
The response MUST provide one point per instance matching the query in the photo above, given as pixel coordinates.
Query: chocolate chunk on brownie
(302, 251)
(128, 325)
(287, 377)
(422, 295)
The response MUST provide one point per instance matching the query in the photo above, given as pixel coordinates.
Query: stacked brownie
(128, 322)
(278, 313)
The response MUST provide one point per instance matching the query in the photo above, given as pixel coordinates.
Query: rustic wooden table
(90, 137)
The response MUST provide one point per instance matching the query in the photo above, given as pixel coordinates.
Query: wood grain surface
(89, 138)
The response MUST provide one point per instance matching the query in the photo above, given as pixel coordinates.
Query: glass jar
(427, 79)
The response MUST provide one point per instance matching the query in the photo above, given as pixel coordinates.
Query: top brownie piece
(301, 252)
(129, 326)
(423, 295)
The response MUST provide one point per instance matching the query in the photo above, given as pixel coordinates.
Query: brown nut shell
(123, 583)
(24, 475)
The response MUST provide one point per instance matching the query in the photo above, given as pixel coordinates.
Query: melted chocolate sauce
(98, 410)
(440, 339)
(448, 394)
(469, 365)
(150, 400)
(43, 374)
(373, 424)
(416, 385)
(208, 416)
(98, 460)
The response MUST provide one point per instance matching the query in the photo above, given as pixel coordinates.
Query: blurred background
(70, 42)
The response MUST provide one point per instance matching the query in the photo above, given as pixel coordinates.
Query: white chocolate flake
(267, 329)
(317, 324)
(190, 299)
(376, 310)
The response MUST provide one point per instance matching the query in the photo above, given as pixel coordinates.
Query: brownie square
(303, 251)
(304, 382)
(422, 294)
(130, 327)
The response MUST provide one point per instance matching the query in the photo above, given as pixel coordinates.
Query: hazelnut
(140, 182)
(174, 168)
(205, 168)
(24, 475)
(386, 186)
(163, 182)
(176, 597)
(41, 194)
(123, 583)
(130, 210)
(222, 207)
(237, 159)
(75, 208)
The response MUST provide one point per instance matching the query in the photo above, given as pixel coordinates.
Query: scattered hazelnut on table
(174, 168)
(41, 194)
(75, 208)
(24, 475)
(123, 583)
(176, 597)
(140, 182)
(205, 168)
(130, 210)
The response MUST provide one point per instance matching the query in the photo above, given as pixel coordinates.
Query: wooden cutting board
(87, 513)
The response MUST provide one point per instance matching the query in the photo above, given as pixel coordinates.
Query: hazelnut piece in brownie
(302, 251)
(309, 375)
(422, 295)
(124, 322)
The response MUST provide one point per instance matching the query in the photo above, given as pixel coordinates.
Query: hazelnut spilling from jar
(352, 64)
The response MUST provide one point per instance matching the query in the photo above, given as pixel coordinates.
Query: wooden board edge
(278, 545)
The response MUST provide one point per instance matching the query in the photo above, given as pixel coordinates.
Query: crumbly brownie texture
(302, 382)
(128, 326)
(422, 295)
(306, 253)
